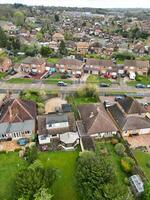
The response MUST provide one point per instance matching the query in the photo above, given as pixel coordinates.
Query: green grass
(97, 79)
(63, 189)
(20, 80)
(142, 159)
(2, 75)
(55, 78)
(10, 163)
(65, 186)
(53, 60)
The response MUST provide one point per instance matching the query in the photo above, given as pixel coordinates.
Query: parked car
(148, 86)
(61, 83)
(11, 72)
(140, 85)
(117, 98)
(104, 85)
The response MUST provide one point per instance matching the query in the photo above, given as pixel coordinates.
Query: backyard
(97, 79)
(143, 158)
(63, 189)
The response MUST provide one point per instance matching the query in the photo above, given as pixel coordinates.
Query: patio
(139, 141)
(9, 146)
(52, 104)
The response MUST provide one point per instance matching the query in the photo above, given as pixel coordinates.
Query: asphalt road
(70, 88)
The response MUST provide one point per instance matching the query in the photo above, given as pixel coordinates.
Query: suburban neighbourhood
(74, 103)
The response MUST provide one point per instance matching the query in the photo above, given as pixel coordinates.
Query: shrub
(126, 181)
(120, 149)
(114, 141)
(138, 78)
(148, 164)
(127, 164)
(2, 152)
(31, 154)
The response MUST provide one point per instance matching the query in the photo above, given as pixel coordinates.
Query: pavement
(70, 88)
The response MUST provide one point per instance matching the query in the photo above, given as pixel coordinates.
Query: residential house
(70, 65)
(82, 47)
(57, 37)
(33, 64)
(7, 26)
(130, 117)
(17, 119)
(137, 66)
(96, 121)
(95, 66)
(5, 64)
(58, 128)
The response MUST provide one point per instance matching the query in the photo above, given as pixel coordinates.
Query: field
(63, 189)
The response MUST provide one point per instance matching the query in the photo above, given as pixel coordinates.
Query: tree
(88, 91)
(46, 51)
(29, 181)
(56, 17)
(127, 164)
(43, 194)
(62, 48)
(120, 149)
(3, 38)
(31, 154)
(19, 18)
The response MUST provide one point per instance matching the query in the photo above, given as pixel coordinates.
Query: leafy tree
(43, 194)
(127, 164)
(31, 154)
(46, 51)
(62, 48)
(19, 18)
(88, 91)
(123, 55)
(29, 181)
(3, 38)
(56, 17)
(120, 149)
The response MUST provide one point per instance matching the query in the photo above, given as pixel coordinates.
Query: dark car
(140, 86)
(104, 85)
(117, 98)
(61, 83)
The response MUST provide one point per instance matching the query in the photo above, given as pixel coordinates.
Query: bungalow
(33, 64)
(5, 64)
(96, 121)
(70, 65)
(137, 66)
(17, 119)
(130, 117)
(57, 37)
(95, 66)
(58, 127)
(82, 47)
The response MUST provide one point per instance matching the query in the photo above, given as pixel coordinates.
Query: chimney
(10, 112)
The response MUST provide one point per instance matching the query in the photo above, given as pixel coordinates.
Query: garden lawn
(142, 159)
(20, 80)
(84, 100)
(97, 79)
(10, 163)
(53, 60)
(64, 188)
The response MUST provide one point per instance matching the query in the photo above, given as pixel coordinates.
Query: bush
(114, 141)
(139, 77)
(126, 181)
(127, 164)
(148, 164)
(31, 154)
(120, 149)
(2, 152)
(89, 91)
